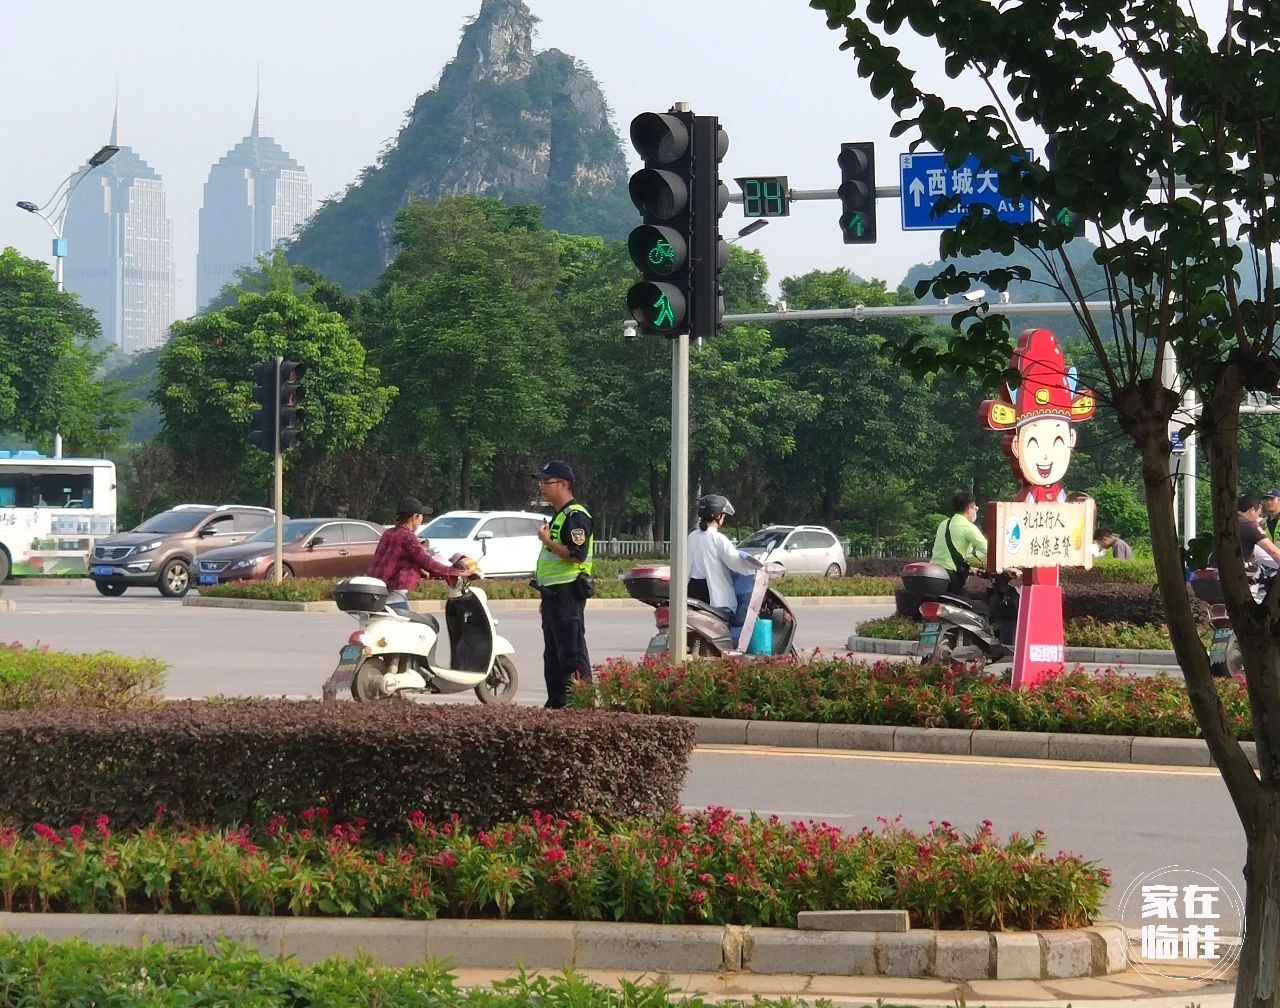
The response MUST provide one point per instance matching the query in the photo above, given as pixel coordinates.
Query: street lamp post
(54, 213)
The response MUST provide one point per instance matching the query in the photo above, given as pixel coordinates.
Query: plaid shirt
(400, 561)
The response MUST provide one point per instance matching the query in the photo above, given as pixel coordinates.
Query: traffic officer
(563, 578)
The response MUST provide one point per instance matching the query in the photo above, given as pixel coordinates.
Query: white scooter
(393, 652)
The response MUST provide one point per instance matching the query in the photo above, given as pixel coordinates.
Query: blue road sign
(927, 179)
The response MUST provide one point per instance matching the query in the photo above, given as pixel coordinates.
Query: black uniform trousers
(564, 641)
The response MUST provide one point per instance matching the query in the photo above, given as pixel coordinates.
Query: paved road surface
(248, 652)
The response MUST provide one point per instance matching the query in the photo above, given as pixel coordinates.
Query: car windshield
(449, 527)
(293, 531)
(173, 521)
(764, 539)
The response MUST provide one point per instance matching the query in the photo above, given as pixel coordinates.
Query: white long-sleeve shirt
(713, 558)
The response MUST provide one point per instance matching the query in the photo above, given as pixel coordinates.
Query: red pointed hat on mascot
(1047, 388)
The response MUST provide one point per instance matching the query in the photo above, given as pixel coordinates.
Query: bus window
(62, 490)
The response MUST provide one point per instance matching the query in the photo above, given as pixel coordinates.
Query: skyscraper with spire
(119, 250)
(255, 197)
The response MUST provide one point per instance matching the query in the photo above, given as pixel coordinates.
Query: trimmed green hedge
(75, 974)
(851, 691)
(234, 761)
(36, 677)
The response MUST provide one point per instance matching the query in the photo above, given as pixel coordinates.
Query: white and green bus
(52, 510)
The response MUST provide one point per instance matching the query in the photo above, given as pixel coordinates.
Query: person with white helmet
(713, 559)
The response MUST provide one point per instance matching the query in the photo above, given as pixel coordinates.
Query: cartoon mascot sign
(1043, 530)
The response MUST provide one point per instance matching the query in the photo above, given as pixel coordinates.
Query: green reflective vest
(551, 569)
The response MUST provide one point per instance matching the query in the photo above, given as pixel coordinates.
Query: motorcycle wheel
(1235, 660)
(700, 647)
(500, 687)
(948, 641)
(366, 687)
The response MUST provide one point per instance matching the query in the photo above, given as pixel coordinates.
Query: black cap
(1271, 493)
(555, 469)
(411, 506)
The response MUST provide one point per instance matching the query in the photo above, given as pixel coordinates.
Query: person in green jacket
(959, 542)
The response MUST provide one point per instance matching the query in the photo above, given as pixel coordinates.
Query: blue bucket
(761, 638)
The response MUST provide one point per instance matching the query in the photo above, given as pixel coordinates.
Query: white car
(801, 549)
(503, 543)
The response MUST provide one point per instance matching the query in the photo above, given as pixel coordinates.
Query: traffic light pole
(278, 486)
(678, 620)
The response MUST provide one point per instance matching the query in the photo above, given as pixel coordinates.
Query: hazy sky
(338, 77)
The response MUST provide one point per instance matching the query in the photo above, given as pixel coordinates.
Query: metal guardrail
(854, 549)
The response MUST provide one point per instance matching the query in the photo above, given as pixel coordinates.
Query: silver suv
(161, 551)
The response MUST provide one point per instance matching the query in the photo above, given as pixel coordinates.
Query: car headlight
(147, 548)
(248, 562)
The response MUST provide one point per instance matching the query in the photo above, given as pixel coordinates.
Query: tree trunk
(1258, 980)
(656, 500)
(1257, 802)
(830, 495)
(464, 479)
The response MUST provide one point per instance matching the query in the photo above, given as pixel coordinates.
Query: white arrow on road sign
(916, 189)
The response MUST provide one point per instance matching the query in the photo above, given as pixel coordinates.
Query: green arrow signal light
(1063, 216)
(857, 224)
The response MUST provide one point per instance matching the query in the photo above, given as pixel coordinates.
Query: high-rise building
(255, 197)
(119, 250)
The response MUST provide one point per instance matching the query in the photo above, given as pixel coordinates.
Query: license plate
(657, 645)
(102, 571)
(348, 662)
(1218, 652)
(928, 638)
(208, 579)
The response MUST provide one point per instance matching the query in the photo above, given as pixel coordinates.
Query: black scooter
(954, 630)
(1225, 659)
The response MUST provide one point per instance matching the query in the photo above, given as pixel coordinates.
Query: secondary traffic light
(1059, 214)
(710, 254)
(857, 193)
(291, 393)
(265, 390)
(663, 193)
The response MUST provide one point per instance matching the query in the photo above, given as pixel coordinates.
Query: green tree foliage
(1135, 91)
(49, 365)
(466, 319)
(872, 419)
(204, 388)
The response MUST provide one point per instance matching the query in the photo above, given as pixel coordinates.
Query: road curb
(1103, 656)
(1061, 746)
(950, 955)
(497, 605)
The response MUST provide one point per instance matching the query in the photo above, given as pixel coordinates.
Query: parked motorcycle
(954, 629)
(710, 635)
(393, 653)
(1224, 650)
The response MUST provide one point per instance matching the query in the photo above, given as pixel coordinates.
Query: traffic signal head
(291, 394)
(263, 434)
(1058, 214)
(662, 191)
(857, 193)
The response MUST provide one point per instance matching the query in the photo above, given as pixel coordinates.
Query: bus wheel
(109, 589)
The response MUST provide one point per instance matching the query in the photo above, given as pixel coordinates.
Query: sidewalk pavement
(1122, 988)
